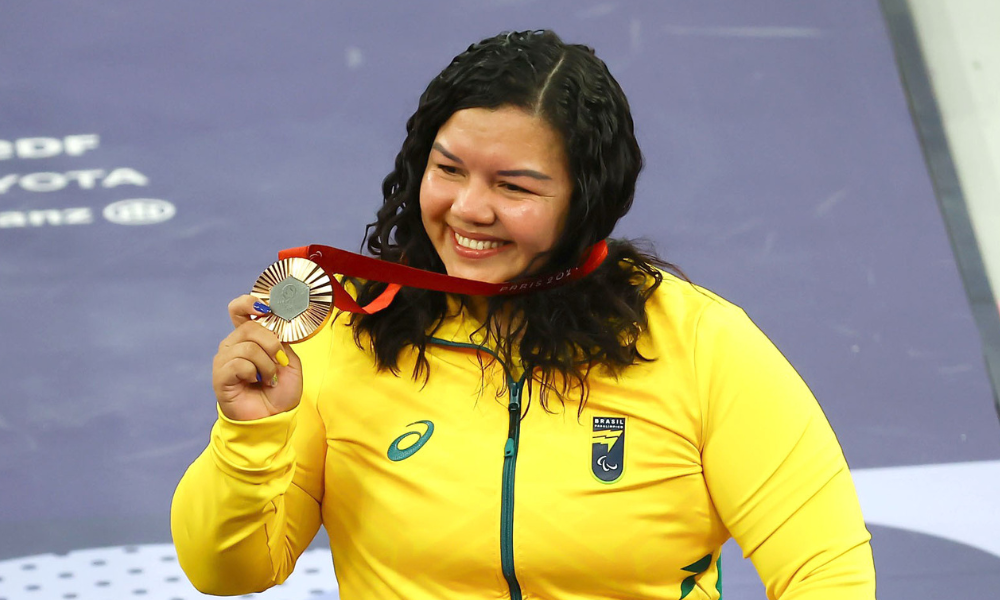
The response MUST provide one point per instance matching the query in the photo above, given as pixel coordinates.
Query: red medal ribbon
(341, 262)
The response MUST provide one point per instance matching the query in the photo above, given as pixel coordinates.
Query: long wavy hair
(559, 335)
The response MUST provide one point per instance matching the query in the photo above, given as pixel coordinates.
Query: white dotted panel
(148, 572)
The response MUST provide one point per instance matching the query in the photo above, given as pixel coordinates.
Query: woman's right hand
(252, 350)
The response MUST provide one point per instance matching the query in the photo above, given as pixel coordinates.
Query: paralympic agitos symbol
(607, 448)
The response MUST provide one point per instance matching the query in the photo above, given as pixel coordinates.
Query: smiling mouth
(471, 244)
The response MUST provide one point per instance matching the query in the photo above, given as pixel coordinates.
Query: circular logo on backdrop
(139, 211)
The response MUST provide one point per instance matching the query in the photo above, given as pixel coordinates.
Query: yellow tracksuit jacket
(440, 491)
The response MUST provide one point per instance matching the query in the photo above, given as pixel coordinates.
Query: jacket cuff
(254, 451)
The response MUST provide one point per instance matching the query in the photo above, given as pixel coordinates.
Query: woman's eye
(514, 188)
(450, 170)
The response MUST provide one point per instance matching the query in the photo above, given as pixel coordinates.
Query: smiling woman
(520, 140)
(667, 423)
(495, 194)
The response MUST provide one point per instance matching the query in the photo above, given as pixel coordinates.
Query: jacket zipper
(509, 466)
(507, 494)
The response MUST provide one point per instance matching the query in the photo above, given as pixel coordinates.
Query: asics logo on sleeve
(396, 453)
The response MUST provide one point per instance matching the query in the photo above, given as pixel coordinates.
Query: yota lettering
(86, 179)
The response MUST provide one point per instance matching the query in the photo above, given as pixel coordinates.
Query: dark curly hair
(558, 334)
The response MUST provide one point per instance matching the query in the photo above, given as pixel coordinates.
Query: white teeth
(476, 244)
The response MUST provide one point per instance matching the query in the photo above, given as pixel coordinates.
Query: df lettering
(46, 147)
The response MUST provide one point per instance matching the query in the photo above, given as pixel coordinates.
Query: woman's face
(495, 193)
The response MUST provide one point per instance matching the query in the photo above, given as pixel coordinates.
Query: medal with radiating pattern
(300, 295)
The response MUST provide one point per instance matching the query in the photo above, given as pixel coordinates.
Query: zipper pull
(508, 449)
(515, 398)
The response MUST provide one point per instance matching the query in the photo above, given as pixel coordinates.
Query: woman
(666, 421)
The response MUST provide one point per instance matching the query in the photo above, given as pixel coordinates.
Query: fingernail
(261, 307)
(274, 380)
(282, 358)
(258, 377)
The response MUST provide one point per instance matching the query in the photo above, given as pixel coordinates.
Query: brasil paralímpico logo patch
(607, 443)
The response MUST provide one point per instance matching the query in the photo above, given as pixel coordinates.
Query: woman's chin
(483, 278)
(483, 275)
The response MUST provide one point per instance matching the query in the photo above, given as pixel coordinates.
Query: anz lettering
(134, 211)
(39, 218)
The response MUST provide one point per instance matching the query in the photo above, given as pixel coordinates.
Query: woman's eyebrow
(514, 173)
(448, 155)
(524, 173)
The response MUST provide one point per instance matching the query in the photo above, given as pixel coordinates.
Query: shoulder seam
(694, 366)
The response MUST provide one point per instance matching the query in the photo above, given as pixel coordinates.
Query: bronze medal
(300, 295)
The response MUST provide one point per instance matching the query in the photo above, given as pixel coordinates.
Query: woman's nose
(472, 204)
